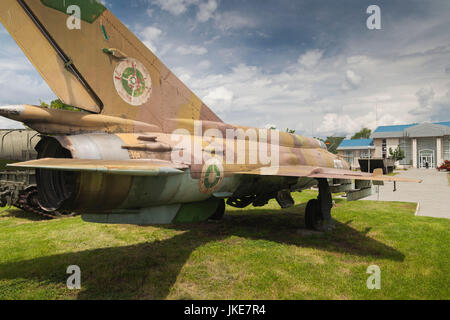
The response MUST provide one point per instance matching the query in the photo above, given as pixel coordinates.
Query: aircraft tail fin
(96, 64)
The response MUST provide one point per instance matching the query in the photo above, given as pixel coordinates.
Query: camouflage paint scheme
(118, 155)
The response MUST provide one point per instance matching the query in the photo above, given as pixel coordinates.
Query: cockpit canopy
(322, 144)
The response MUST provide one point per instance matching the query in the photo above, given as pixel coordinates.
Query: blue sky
(312, 66)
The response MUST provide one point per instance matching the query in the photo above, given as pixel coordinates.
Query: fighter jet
(144, 149)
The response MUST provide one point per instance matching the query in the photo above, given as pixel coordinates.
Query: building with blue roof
(352, 150)
(425, 145)
(397, 128)
(356, 144)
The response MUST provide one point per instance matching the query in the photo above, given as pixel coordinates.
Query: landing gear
(220, 211)
(313, 216)
(318, 211)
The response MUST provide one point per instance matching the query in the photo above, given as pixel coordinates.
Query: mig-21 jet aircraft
(144, 149)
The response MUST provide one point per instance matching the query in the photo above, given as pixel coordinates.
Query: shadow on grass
(149, 270)
(14, 212)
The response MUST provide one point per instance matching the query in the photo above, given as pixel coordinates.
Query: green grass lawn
(255, 253)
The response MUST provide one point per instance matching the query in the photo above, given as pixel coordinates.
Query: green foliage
(291, 131)
(58, 104)
(397, 154)
(332, 143)
(363, 134)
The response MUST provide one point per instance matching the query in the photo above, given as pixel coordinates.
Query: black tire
(220, 211)
(313, 216)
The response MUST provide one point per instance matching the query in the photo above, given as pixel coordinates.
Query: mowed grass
(255, 253)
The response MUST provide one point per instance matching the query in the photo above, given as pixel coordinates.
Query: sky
(313, 66)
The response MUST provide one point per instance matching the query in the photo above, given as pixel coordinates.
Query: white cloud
(440, 110)
(352, 80)
(232, 20)
(195, 50)
(402, 72)
(149, 36)
(21, 88)
(220, 97)
(10, 124)
(203, 65)
(310, 58)
(425, 98)
(307, 95)
(15, 64)
(206, 10)
(175, 7)
(335, 124)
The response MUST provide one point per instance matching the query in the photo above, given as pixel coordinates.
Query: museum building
(425, 145)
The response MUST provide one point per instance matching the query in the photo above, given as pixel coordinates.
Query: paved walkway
(433, 194)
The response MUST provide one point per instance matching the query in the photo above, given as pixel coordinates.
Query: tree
(363, 134)
(397, 154)
(332, 143)
(292, 131)
(58, 104)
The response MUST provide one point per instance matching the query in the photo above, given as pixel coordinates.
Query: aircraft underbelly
(166, 200)
(155, 191)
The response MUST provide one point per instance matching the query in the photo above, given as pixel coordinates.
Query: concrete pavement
(433, 194)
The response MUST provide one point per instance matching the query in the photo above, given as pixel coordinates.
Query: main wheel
(220, 211)
(313, 216)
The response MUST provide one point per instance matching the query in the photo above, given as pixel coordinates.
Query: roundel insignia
(133, 82)
(212, 176)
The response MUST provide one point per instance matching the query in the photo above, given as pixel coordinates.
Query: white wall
(378, 143)
(391, 143)
(439, 152)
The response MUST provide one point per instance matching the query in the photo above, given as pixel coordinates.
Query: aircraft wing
(127, 167)
(323, 172)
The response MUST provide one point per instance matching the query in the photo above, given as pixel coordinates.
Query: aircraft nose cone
(12, 112)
